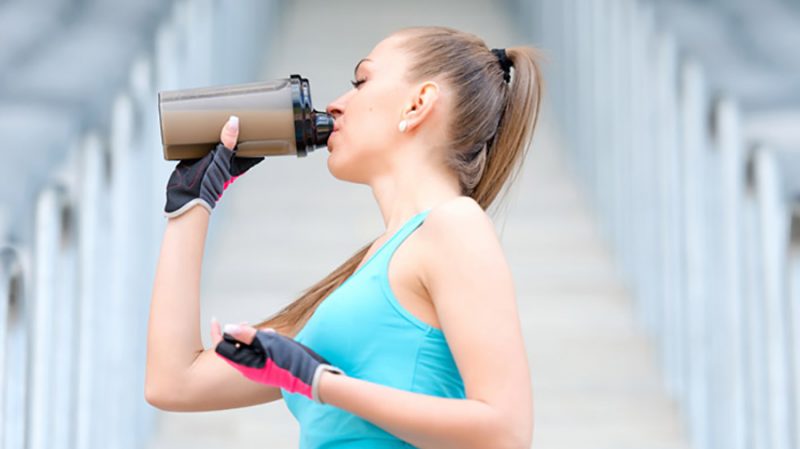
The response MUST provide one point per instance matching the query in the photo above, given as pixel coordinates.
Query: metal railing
(661, 105)
(83, 190)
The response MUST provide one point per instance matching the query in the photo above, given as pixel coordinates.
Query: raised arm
(181, 375)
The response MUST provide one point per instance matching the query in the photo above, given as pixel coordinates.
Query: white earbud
(402, 126)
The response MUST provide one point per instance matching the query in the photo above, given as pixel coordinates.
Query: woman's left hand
(270, 358)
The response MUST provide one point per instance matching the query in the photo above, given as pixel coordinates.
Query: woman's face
(366, 116)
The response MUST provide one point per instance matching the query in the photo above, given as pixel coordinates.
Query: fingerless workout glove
(202, 181)
(277, 360)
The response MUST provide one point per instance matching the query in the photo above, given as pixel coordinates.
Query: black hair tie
(505, 63)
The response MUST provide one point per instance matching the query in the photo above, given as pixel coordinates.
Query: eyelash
(357, 83)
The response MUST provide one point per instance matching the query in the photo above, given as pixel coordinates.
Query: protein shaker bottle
(276, 118)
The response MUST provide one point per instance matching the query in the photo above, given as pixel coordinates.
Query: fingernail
(231, 328)
(233, 122)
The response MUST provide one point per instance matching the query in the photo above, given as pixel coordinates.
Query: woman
(426, 351)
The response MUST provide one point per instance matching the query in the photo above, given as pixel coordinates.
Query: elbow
(510, 440)
(161, 391)
(504, 429)
(153, 396)
(159, 399)
(524, 442)
(521, 435)
(152, 389)
(524, 439)
(511, 434)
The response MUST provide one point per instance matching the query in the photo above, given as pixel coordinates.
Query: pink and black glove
(277, 360)
(203, 180)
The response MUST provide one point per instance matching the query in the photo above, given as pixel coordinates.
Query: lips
(335, 128)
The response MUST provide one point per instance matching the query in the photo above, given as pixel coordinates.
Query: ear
(421, 104)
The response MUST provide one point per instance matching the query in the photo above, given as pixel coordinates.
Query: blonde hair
(492, 123)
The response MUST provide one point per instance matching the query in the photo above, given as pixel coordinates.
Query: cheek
(373, 119)
(371, 129)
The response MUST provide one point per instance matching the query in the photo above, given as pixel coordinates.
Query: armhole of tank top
(368, 262)
(387, 288)
(415, 221)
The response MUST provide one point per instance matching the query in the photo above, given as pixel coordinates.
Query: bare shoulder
(459, 217)
(456, 228)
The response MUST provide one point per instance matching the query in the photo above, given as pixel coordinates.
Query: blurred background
(653, 234)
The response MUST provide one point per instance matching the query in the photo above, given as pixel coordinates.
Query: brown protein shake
(276, 118)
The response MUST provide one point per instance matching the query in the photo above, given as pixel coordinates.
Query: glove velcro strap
(322, 367)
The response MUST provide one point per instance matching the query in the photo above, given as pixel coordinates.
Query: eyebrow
(355, 71)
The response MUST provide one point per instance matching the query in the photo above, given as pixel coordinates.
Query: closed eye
(357, 83)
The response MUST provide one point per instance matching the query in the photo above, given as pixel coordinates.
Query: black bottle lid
(311, 127)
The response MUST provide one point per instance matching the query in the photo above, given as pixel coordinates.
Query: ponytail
(518, 118)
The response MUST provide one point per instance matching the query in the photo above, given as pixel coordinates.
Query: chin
(340, 169)
(330, 166)
(333, 167)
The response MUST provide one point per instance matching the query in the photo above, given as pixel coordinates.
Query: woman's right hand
(202, 181)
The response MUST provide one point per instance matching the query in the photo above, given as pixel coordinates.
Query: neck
(411, 188)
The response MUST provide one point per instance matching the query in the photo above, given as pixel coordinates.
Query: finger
(230, 132)
(243, 333)
(248, 334)
(216, 331)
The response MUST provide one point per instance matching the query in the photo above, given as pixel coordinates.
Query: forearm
(425, 421)
(173, 338)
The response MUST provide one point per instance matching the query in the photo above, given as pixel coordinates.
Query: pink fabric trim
(227, 183)
(274, 375)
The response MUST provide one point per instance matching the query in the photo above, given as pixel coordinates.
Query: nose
(336, 107)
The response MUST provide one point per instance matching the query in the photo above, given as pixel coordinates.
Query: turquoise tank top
(362, 329)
